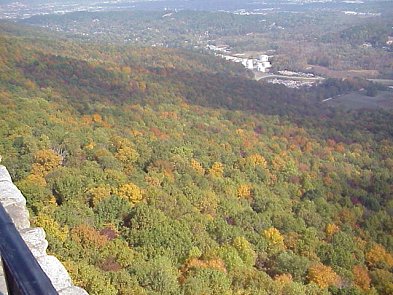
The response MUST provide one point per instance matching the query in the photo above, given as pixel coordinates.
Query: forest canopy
(179, 175)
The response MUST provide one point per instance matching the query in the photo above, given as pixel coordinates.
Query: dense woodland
(165, 171)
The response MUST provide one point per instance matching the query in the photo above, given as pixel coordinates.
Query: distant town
(261, 66)
(25, 9)
(238, 34)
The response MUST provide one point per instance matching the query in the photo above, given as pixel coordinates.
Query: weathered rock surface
(18, 214)
(35, 240)
(3, 286)
(4, 174)
(55, 271)
(10, 194)
(73, 291)
(15, 205)
(13, 200)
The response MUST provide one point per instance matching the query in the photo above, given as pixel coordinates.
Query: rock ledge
(15, 205)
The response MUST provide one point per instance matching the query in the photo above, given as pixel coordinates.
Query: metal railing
(23, 274)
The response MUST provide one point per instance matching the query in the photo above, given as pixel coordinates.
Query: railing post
(10, 282)
(23, 274)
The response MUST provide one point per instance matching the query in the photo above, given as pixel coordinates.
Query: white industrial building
(250, 64)
(261, 68)
(263, 58)
(260, 64)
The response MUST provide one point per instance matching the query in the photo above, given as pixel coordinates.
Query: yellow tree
(379, 257)
(257, 160)
(244, 191)
(125, 153)
(126, 70)
(274, 239)
(217, 169)
(197, 167)
(361, 277)
(45, 161)
(245, 250)
(51, 227)
(331, 229)
(283, 279)
(323, 275)
(37, 180)
(99, 193)
(131, 192)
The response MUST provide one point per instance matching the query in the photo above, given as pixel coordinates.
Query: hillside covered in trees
(298, 38)
(166, 171)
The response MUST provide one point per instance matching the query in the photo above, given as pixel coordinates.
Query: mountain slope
(158, 171)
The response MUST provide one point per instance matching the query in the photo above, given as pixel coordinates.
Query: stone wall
(15, 204)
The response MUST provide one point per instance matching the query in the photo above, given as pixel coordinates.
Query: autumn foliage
(331, 229)
(379, 257)
(131, 192)
(361, 277)
(88, 236)
(244, 191)
(274, 238)
(45, 161)
(163, 171)
(323, 276)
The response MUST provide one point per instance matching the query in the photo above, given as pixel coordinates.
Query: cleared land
(259, 76)
(358, 100)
